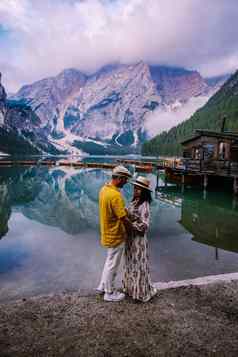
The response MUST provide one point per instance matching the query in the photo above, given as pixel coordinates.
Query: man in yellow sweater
(113, 225)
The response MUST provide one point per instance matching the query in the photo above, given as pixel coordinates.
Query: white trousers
(111, 267)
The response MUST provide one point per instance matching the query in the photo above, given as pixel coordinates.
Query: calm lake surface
(49, 233)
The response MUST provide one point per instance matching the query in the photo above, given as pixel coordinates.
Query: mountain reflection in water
(50, 234)
(64, 198)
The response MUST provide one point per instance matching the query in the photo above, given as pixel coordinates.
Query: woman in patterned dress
(136, 280)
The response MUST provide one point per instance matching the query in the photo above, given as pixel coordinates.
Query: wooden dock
(137, 162)
(172, 166)
(180, 171)
(78, 164)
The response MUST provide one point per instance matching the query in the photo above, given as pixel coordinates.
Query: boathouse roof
(203, 132)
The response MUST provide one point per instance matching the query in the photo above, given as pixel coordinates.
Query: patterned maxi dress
(136, 279)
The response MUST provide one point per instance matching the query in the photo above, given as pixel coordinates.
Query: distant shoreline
(200, 281)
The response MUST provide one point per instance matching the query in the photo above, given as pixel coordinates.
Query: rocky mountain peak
(3, 94)
(3, 98)
(112, 105)
(47, 96)
(69, 80)
(177, 83)
(57, 88)
(233, 83)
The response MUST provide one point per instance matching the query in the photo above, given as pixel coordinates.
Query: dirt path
(191, 321)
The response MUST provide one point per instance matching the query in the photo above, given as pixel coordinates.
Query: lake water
(49, 233)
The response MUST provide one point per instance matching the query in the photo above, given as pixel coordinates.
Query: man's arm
(120, 211)
(127, 223)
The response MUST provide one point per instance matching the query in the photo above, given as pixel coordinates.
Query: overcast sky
(39, 38)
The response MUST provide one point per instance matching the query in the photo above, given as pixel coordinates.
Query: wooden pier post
(157, 179)
(234, 202)
(205, 182)
(182, 181)
(235, 185)
(182, 189)
(216, 249)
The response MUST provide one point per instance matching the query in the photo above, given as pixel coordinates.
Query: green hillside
(224, 102)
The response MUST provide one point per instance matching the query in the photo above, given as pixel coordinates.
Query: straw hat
(143, 182)
(121, 171)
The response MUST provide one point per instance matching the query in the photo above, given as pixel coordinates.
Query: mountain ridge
(105, 112)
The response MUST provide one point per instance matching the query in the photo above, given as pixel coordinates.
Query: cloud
(161, 119)
(45, 37)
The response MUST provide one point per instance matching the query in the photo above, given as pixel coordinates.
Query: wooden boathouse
(208, 155)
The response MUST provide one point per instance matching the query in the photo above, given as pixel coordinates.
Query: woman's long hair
(145, 196)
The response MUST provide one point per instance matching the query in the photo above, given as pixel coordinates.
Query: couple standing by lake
(123, 234)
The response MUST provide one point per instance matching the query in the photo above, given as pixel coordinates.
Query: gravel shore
(189, 321)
